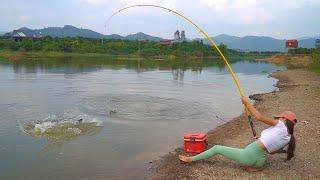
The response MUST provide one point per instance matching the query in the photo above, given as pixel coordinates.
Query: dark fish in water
(80, 120)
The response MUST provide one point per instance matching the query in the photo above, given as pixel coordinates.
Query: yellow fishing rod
(213, 44)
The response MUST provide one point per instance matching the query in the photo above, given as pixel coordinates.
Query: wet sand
(299, 91)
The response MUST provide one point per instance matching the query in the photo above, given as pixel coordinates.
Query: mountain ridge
(72, 31)
(245, 43)
(259, 43)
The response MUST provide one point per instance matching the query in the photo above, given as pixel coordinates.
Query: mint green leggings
(252, 155)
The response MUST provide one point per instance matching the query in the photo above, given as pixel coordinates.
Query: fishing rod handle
(251, 125)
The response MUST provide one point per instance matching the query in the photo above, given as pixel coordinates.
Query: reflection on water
(89, 64)
(178, 74)
(98, 118)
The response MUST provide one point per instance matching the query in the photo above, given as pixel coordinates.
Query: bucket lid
(198, 136)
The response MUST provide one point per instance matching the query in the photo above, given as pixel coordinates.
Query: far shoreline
(24, 55)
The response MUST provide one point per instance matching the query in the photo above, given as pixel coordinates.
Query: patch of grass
(23, 55)
(27, 55)
(315, 68)
(5, 60)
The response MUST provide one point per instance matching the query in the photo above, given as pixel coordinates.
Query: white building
(183, 36)
(176, 36)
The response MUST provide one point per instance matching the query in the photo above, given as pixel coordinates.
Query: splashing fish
(60, 130)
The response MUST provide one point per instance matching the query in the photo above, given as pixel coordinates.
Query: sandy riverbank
(299, 92)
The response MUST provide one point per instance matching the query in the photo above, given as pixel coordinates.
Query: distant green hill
(142, 36)
(253, 43)
(259, 43)
(246, 43)
(69, 31)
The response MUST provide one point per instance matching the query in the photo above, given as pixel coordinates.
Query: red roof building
(291, 43)
(166, 42)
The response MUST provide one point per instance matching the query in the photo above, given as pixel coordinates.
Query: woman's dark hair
(292, 142)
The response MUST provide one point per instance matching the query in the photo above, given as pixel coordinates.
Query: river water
(132, 113)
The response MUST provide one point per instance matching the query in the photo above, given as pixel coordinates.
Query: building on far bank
(23, 33)
(176, 35)
(166, 42)
(176, 38)
(291, 43)
(183, 36)
(179, 37)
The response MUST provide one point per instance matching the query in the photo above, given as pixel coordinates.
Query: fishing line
(206, 35)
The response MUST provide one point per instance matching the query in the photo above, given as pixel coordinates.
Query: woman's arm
(256, 114)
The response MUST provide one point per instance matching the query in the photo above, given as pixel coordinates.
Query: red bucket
(195, 142)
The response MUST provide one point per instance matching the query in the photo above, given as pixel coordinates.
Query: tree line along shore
(129, 48)
(49, 47)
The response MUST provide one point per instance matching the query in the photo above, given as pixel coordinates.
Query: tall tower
(183, 36)
(177, 35)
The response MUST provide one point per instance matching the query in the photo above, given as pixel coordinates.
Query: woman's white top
(275, 137)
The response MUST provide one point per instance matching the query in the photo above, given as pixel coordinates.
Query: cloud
(239, 11)
(134, 2)
(24, 18)
(166, 3)
(241, 4)
(237, 17)
(95, 2)
(251, 11)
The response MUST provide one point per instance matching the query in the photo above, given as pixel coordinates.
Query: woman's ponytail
(292, 142)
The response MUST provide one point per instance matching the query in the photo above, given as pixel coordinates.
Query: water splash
(61, 129)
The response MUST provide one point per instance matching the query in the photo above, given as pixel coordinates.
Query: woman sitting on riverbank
(272, 140)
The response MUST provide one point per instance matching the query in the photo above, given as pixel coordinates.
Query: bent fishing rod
(213, 44)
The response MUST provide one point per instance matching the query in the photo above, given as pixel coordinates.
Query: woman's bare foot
(251, 169)
(185, 158)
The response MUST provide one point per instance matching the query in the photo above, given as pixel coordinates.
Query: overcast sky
(276, 18)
